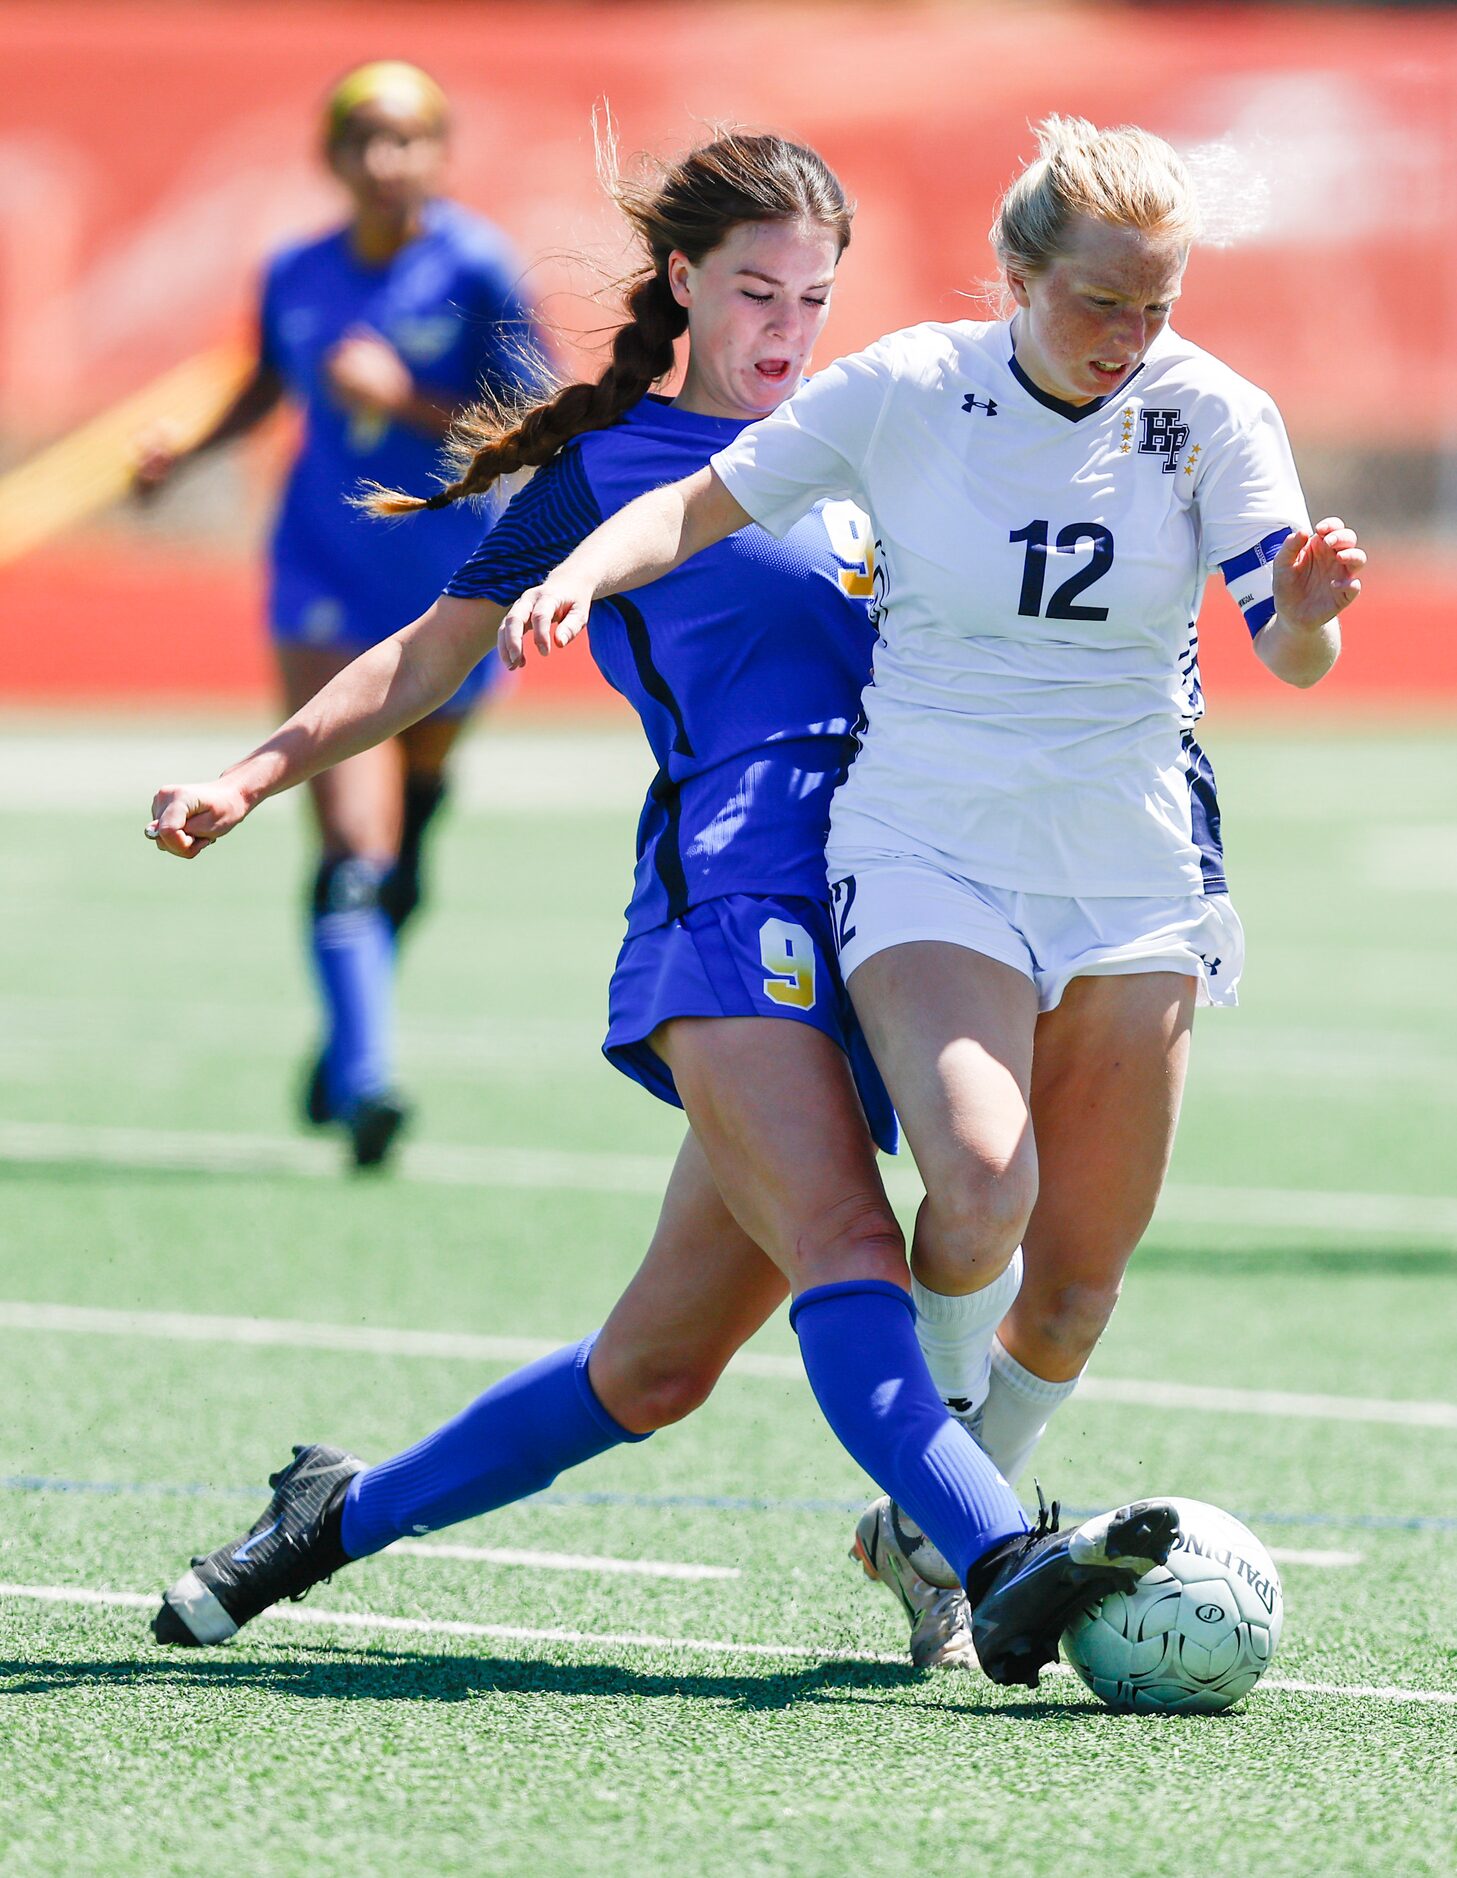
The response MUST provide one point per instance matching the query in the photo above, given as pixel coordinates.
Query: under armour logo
(973, 403)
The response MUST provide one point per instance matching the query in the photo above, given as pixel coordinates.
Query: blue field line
(706, 1502)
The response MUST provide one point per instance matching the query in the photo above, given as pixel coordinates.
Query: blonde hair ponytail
(1126, 176)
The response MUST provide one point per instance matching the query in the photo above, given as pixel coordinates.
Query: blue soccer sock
(353, 951)
(858, 1342)
(513, 1440)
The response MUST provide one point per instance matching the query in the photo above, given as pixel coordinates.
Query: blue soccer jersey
(448, 303)
(745, 665)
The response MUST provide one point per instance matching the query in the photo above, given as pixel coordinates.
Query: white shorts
(1049, 937)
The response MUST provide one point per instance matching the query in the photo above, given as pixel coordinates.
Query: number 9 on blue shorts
(744, 955)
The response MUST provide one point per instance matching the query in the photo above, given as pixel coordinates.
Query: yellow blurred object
(388, 82)
(92, 465)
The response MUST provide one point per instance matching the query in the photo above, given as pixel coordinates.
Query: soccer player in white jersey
(746, 670)
(1025, 859)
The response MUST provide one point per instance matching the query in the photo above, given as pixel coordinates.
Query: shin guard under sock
(956, 1332)
(512, 1441)
(401, 889)
(858, 1342)
(353, 953)
(1018, 1407)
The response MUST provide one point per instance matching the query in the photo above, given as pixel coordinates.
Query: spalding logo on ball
(1194, 1635)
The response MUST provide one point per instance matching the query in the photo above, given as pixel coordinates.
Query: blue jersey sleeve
(544, 522)
(269, 352)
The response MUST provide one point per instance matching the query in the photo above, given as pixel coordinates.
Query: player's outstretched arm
(1317, 576)
(640, 543)
(157, 454)
(386, 689)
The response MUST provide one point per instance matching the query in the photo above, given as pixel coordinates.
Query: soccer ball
(1195, 1634)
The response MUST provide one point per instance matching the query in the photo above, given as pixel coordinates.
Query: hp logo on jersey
(1163, 435)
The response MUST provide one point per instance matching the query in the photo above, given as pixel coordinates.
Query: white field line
(108, 768)
(1338, 1065)
(444, 1627)
(1426, 1218)
(437, 1163)
(1279, 1403)
(78, 1015)
(1411, 858)
(63, 1027)
(1423, 1216)
(565, 1561)
(45, 1037)
(39, 1054)
(450, 1627)
(659, 1568)
(1376, 1692)
(273, 1333)
(466, 1346)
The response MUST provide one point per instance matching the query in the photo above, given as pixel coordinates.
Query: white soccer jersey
(1038, 569)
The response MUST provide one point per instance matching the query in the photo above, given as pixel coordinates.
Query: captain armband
(1250, 577)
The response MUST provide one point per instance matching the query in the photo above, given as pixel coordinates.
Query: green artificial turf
(173, 1002)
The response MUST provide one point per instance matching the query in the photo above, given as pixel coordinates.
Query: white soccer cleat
(894, 1552)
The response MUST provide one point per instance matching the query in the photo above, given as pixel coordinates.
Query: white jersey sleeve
(815, 446)
(1248, 500)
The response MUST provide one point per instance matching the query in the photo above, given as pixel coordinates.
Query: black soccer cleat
(372, 1125)
(400, 893)
(318, 1111)
(294, 1546)
(1026, 1591)
(402, 888)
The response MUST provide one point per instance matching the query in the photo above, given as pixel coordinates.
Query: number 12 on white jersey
(1034, 569)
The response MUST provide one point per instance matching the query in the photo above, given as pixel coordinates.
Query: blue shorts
(303, 614)
(745, 955)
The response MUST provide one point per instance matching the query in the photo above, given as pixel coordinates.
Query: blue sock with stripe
(353, 950)
(858, 1342)
(513, 1440)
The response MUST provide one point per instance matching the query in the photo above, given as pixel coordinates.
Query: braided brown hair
(688, 207)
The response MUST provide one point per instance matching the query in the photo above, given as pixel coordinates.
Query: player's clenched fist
(188, 817)
(366, 374)
(552, 614)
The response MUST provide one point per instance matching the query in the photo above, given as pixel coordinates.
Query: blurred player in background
(746, 668)
(380, 332)
(1025, 858)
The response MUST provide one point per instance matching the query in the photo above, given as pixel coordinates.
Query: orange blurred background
(153, 153)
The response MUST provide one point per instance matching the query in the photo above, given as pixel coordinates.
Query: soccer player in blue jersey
(726, 998)
(1026, 858)
(381, 332)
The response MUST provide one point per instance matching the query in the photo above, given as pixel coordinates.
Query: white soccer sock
(1017, 1410)
(956, 1334)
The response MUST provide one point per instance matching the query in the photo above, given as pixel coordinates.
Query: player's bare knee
(859, 1237)
(657, 1390)
(1070, 1318)
(978, 1214)
(671, 1394)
